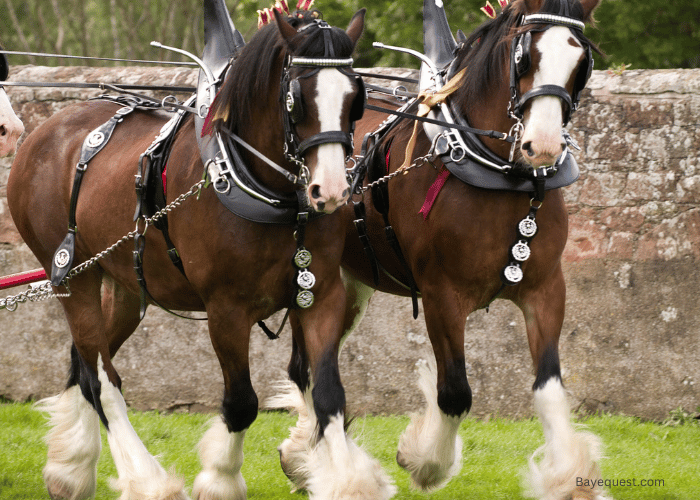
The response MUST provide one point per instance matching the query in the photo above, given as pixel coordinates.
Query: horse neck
(264, 130)
(489, 112)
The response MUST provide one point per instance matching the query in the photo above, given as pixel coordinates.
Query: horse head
(550, 64)
(11, 128)
(323, 100)
(534, 61)
(318, 100)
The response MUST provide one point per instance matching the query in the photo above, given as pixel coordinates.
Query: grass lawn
(495, 452)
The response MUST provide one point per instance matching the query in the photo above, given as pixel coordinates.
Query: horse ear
(356, 26)
(286, 30)
(588, 8)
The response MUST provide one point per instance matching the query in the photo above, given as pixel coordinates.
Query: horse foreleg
(296, 396)
(73, 441)
(338, 468)
(430, 448)
(221, 447)
(566, 454)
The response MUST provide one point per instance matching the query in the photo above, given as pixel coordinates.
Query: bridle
(293, 105)
(520, 63)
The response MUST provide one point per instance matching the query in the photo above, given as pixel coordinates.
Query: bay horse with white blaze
(11, 127)
(463, 223)
(237, 270)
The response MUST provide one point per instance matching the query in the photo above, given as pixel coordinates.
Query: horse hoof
(400, 460)
(283, 464)
(59, 494)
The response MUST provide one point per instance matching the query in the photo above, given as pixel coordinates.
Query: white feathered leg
(566, 454)
(74, 446)
(430, 448)
(335, 467)
(221, 454)
(141, 477)
(295, 450)
(341, 470)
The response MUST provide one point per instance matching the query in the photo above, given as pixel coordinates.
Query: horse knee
(455, 395)
(240, 407)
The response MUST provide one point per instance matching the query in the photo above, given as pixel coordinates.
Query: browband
(321, 62)
(553, 19)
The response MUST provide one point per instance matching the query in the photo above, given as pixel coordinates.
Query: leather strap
(329, 137)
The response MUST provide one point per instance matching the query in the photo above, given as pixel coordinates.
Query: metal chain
(417, 163)
(35, 293)
(44, 290)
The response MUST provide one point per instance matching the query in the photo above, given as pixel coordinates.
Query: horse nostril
(527, 147)
(346, 193)
(316, 192)
(3, 130)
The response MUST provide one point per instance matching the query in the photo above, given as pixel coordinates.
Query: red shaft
(22, 278)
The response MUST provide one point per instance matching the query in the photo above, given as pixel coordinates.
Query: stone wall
(630, 338)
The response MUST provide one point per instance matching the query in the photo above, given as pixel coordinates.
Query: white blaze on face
(329, 187)
(542, 140)
(11, 128)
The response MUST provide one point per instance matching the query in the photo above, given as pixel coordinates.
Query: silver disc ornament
(527, 227)
(95, 139)
(62, 258)
(305, 299)
(513, 273)
(521, 251)
(302, 259)
(306, 279)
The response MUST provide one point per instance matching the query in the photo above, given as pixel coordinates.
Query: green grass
(495, 452)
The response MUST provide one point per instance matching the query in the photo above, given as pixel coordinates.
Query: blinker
(4, 67)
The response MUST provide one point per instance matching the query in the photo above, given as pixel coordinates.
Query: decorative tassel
(264, 17)
(282, 7)
(489, 10)
(305, 4)
(221, 114)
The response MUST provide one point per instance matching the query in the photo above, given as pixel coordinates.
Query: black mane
(255, 74)
(486, 52)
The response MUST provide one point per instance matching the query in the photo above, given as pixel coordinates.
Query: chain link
(45, 291)
(417, 163)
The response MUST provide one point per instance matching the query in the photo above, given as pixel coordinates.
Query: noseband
(520, 63)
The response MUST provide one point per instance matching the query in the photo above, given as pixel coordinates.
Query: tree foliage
(641, 33)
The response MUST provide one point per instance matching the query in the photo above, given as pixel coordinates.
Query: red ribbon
(433, 192)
